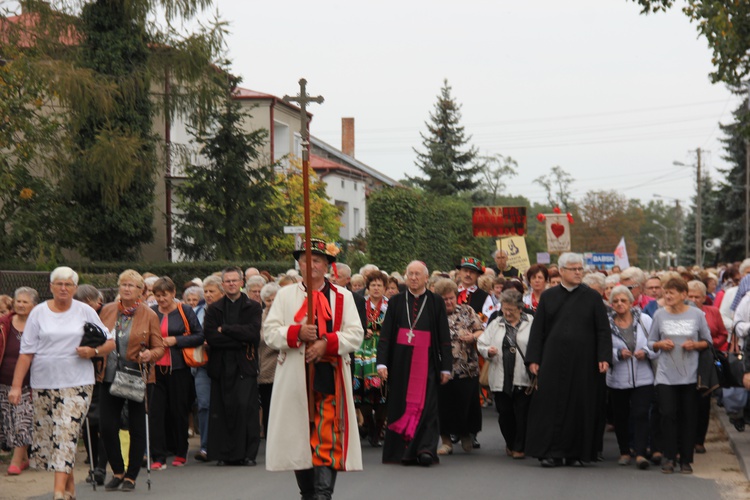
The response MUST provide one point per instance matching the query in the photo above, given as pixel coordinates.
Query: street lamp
(666, 254)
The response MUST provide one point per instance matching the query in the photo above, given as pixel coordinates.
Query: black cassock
(398, 359)
(570, 335)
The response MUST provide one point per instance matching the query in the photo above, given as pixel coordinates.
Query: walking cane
(91, 478)
(144, 374)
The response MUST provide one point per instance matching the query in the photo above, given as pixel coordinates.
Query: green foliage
(447, 166)
(726, 27)
(434, 229)
(227, 206)
(557, 184)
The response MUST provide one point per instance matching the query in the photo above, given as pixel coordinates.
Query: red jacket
(716, 325)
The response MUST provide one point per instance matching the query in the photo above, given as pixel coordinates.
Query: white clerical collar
(471, 289)
(415, 295)
(568, 288)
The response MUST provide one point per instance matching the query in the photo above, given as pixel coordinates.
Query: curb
(739, 441)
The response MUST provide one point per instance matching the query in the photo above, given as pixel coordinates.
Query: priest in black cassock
(570, 349)
(232, 330)
(414, 355)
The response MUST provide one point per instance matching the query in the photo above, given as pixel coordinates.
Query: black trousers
(704, 415)
(631, 406)
(109, 426)
(512, 412)
(678, 405)
(265, 391)
(171, 399)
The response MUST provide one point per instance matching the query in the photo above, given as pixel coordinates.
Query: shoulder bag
(194, 357)
(128, 383)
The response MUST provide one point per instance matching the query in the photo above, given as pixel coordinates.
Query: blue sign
(600, 259)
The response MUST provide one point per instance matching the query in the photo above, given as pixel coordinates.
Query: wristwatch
(96, 351)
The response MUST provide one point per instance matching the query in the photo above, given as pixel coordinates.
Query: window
(342, 184)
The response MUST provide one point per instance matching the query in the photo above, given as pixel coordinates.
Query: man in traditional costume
(232, 330)
(469, 271)
(570, 348)
(414, 355)
(313, 425)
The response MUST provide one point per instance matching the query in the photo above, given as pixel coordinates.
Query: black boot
(306, 483)
(325, 480)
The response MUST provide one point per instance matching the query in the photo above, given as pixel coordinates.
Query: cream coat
(288, 440)
(493, 336)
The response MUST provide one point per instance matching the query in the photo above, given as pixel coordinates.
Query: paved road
(485, 473)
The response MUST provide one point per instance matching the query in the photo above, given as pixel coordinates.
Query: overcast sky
(610, 95)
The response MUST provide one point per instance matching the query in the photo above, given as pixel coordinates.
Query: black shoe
(220, 463)
(573, 462)
(424, 459)
(454, 438)
(128, 485)
(738, 423)
(700, 449)
(550, 462)
(248, 462)
(114, 484)
(475, 444)
(201, 456)
(686, 469)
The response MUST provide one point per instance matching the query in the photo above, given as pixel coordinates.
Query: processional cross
(302, 99)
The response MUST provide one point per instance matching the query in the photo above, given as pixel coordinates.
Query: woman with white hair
(267, 356)
(62, 377)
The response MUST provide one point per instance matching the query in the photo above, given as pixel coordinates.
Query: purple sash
(417, 385)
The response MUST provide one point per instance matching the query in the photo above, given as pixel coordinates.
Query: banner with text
(499, 221)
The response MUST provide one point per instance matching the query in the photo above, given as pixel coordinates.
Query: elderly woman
(537, 276)
(596, 281)
(679, 331)
(554, 277)
(267, 356)
(138, 343)
(697, 295)
(631, 379)
(458, 402)
(193, 297)
(253, 286)
(369, 395)
(171, 398)
(62, 377)
(15, 424)
(503, 344)
(610, 282)
(212, 291)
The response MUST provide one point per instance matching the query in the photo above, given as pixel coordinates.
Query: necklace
(18, 334)
(410, 335)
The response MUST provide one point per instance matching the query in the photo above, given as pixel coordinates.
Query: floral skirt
(58, 418)
(16, 421)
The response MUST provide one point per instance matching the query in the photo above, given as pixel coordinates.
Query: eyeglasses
(574, 269)
(63, 284)
(232, 281)
(630, 287)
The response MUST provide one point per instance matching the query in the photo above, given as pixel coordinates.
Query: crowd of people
(403, 361)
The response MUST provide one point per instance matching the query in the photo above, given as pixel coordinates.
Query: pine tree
(448, 163)
(730, 207)
(227, 206)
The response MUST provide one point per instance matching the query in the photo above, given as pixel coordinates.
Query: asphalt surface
(484, 473)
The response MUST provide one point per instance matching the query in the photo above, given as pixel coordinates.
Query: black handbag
(93, 336)
(730, 367)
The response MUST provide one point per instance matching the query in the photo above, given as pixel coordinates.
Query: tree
(603, 218)
(726, 26)
(557, 185)
(730, 205)
(101, 60)
(496, 170)
(448, 161)
(325, 219)
(227, 206)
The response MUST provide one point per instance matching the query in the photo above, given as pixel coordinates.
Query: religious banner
(518, 256)
(499, 221)
(621, 255)
(558, 233)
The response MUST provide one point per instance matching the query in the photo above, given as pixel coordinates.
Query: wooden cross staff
(302, 99)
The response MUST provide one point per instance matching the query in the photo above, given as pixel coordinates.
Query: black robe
(570, 335)
(397, 359)
(233, 422)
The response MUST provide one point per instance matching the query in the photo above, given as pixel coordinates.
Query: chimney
(347, 136)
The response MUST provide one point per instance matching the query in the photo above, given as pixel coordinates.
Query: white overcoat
(288, 438)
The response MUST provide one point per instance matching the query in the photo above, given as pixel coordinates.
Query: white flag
(621, 255)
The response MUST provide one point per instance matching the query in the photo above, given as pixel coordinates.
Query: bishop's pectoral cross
(410, 335)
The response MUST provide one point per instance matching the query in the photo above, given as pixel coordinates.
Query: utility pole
(698, 213)
(747, 182)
